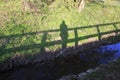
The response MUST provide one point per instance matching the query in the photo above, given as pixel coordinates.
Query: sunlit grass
(13, 20)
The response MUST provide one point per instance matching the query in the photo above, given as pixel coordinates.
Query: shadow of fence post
(116, 29)
(43, 42)
(99, 35)
(76, 37)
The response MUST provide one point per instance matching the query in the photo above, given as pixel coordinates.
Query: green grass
(14, 21)
(105, 70)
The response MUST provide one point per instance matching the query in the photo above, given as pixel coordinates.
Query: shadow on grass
(63, 41)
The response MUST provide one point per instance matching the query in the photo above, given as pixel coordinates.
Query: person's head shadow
(63, 34)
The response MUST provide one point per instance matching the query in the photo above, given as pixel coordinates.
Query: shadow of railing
(6, 46)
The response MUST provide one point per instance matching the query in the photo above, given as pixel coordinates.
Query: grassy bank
(20, 31)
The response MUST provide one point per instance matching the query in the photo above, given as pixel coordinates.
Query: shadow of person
(63, 34)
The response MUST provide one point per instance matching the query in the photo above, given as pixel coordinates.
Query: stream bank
(53, 65)
(109, 71)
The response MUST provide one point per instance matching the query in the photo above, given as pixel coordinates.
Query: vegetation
(21, 23)
(110, 71)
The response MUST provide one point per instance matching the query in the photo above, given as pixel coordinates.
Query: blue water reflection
(113, 50)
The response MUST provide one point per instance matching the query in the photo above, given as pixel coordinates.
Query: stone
(69, 77)
(90, 70)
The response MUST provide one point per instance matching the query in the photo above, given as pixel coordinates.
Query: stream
(60, 66)
(113, 50)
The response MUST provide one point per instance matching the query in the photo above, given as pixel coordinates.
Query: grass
(111, 69)
(13, 21)
(95, 76)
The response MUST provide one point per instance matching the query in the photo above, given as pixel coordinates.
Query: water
(112, 50)
(48, 71)
(102, 54)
